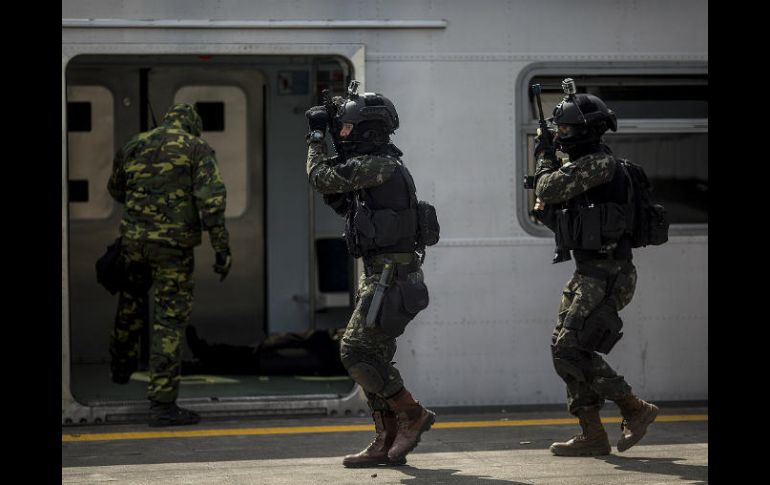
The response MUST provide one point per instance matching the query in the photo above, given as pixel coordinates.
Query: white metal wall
(494, 293)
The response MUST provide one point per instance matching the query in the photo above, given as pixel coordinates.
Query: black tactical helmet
(588, 117)
(367, 107)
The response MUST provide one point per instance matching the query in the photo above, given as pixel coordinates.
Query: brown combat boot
(376, 453)
(413, 420)
(592, 442)
(637, 415)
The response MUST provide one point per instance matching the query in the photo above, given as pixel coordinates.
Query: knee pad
(367, 376)
(566, 362)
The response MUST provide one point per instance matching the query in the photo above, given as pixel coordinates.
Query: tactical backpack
(648, 220)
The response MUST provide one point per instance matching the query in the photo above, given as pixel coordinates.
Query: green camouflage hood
(184, 116)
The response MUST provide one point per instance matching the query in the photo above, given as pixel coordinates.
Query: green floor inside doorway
(91, 383)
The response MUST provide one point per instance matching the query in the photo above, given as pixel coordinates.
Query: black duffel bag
(110, 268)
(115, 274)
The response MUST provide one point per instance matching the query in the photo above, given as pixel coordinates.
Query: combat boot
(592, 442)
(386, 426)
(169, 414)
(637, 415)
(413, 420)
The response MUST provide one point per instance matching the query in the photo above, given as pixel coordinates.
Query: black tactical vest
(610, 201)
(383, 219)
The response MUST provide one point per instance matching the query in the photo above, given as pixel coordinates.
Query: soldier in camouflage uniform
(604, 280)
(366, 179)
(169, 184)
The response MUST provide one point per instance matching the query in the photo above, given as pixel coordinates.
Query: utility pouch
(403, 300)
(350, 237)
(613, 221)
(565, 226)
(385, 227)
(363, 222)
(427, 222)
(363, 228)
(601, 330)
(658, 224)
(590, 227)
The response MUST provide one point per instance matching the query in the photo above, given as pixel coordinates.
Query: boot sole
(376, 464)
(585, 453)
(426, 427)
(629, 443)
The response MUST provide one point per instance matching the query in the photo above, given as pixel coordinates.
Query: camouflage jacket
(170, 185)
(356, 173)
(558, 184)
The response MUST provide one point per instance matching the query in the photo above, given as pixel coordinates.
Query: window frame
(113, 207)
(527, 126)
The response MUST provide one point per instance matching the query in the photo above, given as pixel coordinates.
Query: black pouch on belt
(403, 300)
(590, 228)
(601, 329)
(565, 227)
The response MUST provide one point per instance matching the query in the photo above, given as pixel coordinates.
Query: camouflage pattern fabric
(170, 185)
(580, 297)
(356, 173)
(170, 308)
(558, 184)
(377, 347)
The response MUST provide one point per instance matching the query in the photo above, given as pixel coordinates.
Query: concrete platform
(489, 448)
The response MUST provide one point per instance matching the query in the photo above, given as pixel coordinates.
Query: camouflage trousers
(371, 345)
(169, 311)
(589, 378)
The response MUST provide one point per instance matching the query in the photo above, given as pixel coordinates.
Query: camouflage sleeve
(116, 186)
(557, 184)
(210, 198)
(356, 173)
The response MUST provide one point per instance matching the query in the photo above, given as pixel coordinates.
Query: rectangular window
(332, 77)
(662, 126)
(78, 116)
(90, 151)
(223, 111)
(293, 83)
(78, 190)
(212, 115)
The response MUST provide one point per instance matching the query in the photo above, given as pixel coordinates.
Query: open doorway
(257, 333)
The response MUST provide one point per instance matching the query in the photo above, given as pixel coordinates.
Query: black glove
(546, 216)
(548, 151)
(317, 118)
(223, 262)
